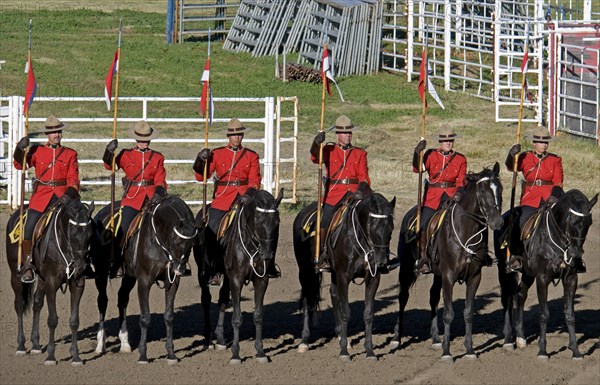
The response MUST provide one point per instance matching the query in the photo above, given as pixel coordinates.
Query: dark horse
(249, 245)
(162, 239)
(549, 251)
(59, 255)
(358, 248)
(456, 253)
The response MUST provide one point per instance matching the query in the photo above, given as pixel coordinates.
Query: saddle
(226, 221)
(531, 224)
(435, 223)
(336, 220)
(135, 225)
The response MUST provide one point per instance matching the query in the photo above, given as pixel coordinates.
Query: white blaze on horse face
(495, 190)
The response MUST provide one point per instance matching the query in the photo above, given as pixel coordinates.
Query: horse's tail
(27, 296)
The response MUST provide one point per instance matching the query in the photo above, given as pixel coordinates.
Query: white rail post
(447, 47)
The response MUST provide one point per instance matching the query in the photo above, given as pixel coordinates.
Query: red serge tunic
(236, 171)
(152, 174)
(56, 169)
(540, 173)
(446, 174)
(345, 169)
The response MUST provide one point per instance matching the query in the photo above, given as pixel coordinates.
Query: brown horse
(59, 256)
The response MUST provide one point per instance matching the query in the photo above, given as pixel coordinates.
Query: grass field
(72, 47)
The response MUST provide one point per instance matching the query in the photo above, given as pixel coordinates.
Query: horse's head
(488, 191)
(376, 216)
(263, 216)
(175, 223)
(573, 215)
(74, 230)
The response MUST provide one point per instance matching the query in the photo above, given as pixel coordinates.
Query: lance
(114, 136)
(423, 112)
(24, 162)
(206, 123)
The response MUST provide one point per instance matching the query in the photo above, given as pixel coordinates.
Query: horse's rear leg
(102, 301)
(223, 300)
(526, 282)
(38, 304)
(127, 284)
(406, 278)
(205, 300)
(236, 320)
(542, 292)
(472, 286)
(52, 322)
(508, 293)
(570, 287)
(434, 300)
(169, 316)
(370, 290)
(448, 287)
(144, 299)
(76, 288)
(21, 291)
(260, 288)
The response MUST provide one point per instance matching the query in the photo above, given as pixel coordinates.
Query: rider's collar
(54, 146)
(445, 153)
(345, 148)
(141, 149)
(233, 148)
(540, 156)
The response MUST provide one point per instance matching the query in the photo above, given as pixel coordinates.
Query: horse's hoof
(521, 342)
(394, 344)
(508, 347)
(577, 358)
(372, 358)
(143, 362)
(100, 350)
(262, 360)
(50, 363)
(77, 363)
(235, 361)
(471, 356)
(542, 357)
(20, 353)
(220, 347)
(172, 361)
(35, 351)
(447, 358)
(436, 345)
(302, 348)
(345, 358)
(125, 349)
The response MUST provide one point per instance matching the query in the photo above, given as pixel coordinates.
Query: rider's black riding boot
(323, 263)
(26, 269)
(423, 264)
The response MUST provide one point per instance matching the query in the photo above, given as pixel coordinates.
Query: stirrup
(422, 267)
(274, 271)
(30, 278)
(182, 270)
(514, 265)
(323, 266)
(215, 280)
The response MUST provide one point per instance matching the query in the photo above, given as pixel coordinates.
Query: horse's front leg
(343, 312)
(169, 317)
(542, 292)
(472, 286)
(223, 300)
(76, 287)
(371, 287)
(526, 282)
(406, 278)
(236, 319)
(447, 288)
(434, 300)
(260, 288)
(38, 304)
(570, 287)
(144, 298)
(52, 322)
(127, 284)
(101, 281)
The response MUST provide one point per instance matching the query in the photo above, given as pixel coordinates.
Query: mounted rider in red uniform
(145, 177)
(542, 182)
(237, 174)
(347, 175)
(56, 177)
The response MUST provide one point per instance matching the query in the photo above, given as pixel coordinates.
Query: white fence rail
(274, 138)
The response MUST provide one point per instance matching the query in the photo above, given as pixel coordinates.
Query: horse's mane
(486, 172)
(264, 199)
(381, 204)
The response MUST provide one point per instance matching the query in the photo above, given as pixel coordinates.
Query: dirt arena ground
(413, 363)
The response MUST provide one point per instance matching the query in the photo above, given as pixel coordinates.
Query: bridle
(370, 246)
(73, 253)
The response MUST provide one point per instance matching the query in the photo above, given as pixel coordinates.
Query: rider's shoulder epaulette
(550, 155)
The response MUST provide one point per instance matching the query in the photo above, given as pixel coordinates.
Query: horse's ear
(279, 197)
(393, 203)
(593, 201)
(91, 208)
(496, 168)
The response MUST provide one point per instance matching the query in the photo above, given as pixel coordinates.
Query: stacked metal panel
(352, 29)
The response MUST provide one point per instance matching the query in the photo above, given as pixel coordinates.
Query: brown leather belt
(443, 185)
(344, 181)
(236, 183)
(54, 183)
(143, 183)
(538, 182)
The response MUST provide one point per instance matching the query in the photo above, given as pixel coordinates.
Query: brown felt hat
(541, 134)
(53, 125)
(343, 124)
(235, 127)
(142, 132)
(447, 133)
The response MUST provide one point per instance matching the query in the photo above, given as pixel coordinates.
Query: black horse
(457, 254)
(549, 253)
(248, 247)
(162, 239)
(358, 248)
(59, 254)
